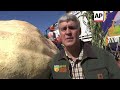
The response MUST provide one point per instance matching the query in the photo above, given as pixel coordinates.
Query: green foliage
(96, 29)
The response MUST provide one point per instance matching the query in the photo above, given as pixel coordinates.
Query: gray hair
(69, 17)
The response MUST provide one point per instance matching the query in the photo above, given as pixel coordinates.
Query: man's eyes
(70, 27)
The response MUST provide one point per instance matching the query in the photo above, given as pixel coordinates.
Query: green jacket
(97, 64)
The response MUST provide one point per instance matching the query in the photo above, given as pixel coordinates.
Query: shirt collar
(87, 51)
(79, 57)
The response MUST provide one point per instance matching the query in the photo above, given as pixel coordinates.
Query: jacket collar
(87, 51)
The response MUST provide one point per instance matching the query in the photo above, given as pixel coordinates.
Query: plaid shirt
(76, 69)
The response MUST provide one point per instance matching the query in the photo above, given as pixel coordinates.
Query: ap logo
(98, 16)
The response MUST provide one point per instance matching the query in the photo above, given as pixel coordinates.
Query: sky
(41, 19)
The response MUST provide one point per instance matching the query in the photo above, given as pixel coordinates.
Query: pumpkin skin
(24, 51)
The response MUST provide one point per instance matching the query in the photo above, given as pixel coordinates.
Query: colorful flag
(109, 20)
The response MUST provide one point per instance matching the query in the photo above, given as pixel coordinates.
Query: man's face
(69, 33)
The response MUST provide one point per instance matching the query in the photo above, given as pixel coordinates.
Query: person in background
(78, 59)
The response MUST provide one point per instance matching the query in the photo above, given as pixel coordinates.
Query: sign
(98, 16)
(113, 39)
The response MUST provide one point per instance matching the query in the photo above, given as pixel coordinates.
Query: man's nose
(68, 31)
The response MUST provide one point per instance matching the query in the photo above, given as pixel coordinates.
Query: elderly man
(81, 60)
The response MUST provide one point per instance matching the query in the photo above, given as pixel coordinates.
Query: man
(80, 60)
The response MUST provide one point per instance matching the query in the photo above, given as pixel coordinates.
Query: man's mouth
(69, 38)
